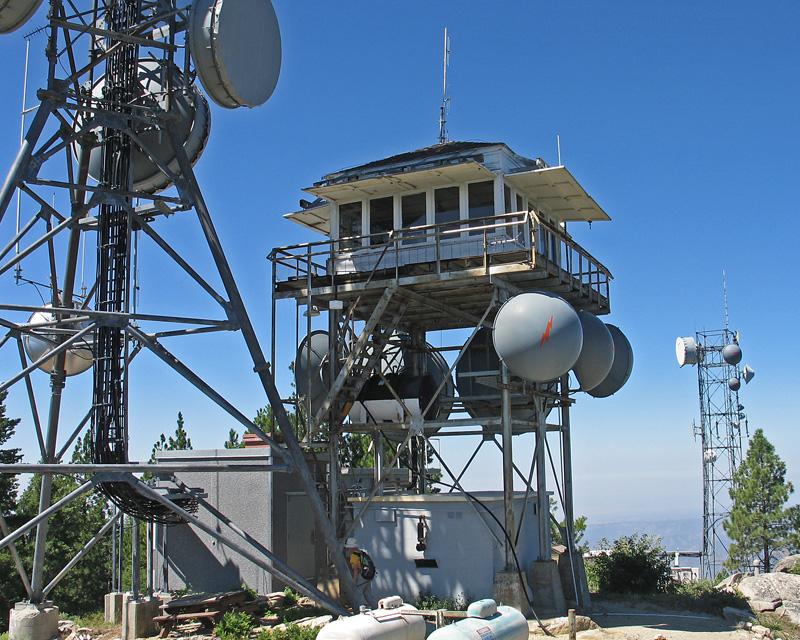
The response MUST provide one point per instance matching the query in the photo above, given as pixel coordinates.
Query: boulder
(764, 605)
(729, 583)
(736, 615)
(787, 564)
(771, 586)
(560, 625)
(790, 610)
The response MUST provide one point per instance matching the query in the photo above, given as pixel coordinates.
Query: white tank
(597, 353)
(79, 357)
(486, 621)
(538, 335)
(392, 620)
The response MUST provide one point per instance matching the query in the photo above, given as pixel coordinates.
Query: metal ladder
(365, 354)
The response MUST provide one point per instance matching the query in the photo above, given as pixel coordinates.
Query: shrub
(428, 601)
(234, 625)
(292, 632)
(701, 596)
(636, 564)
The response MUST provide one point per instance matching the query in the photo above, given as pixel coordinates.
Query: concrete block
(33, 622)
(137, 617)
(509, 590)
(113, 607)
(548, 595)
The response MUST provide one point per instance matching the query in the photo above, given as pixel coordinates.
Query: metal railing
(450, 246)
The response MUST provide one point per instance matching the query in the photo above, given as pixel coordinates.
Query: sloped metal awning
(315, 218)
(391, 183)
(560, 193)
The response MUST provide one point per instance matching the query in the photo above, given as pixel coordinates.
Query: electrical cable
(505, 535)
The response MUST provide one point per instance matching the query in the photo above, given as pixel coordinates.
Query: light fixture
(311, 312)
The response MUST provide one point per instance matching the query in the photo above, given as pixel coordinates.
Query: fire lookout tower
(440, 240)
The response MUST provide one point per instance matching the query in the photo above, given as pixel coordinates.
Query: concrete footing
(137, 617)
(113, 607)
(548, 595)
(33, 621)
(509, 590)
(573, 581)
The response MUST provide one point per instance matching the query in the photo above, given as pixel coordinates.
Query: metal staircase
(363, 357)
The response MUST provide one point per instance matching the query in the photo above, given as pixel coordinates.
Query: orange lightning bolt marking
(546, 334)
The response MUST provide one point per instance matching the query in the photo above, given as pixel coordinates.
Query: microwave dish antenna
(597, 352)
(15, 13)
(538, 335)
(236, 47)
(164, 92)
(621, 366)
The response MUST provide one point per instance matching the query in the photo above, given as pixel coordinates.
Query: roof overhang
(391, 183)
(560, 193)
(315, 218)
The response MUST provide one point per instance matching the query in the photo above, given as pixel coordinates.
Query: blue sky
(679, 118)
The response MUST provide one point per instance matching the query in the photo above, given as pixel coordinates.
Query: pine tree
(180, 442)
(11, 589)
(8, 482)
(758, 524)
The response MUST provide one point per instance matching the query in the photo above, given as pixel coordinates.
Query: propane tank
(486, 621)
(392, 620)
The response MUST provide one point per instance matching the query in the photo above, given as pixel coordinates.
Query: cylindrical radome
(538, 335)
(597, 353)
(621, 367)
(391, 623)
(506, 623)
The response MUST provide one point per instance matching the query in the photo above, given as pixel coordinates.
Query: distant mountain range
(677, 535)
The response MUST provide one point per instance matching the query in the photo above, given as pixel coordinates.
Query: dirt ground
(617, 621)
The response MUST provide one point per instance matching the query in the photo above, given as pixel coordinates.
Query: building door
(300, 535)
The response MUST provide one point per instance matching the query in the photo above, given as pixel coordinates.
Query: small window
(445, 205)
(381, 219)
(481, 199)
(520, 203)
(413, 215)
(349, 224)
(507, 199)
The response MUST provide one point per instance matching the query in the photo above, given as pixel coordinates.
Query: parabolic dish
(192, 127)
(79, 357)
(15, 13)
(597, 353)
(620, 369)
(538, 335)
(732, 353)
(686, 351)
(311, 370)
(236, 47)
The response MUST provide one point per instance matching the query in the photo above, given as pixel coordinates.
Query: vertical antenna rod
(445, 100)
(725, 294)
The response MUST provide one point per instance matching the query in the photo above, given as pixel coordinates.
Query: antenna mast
(725, 293)
(443, 137)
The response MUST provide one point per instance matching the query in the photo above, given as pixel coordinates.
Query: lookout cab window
(413, 215)
(381, 219)
(445, 205)
(349, 224)
(481, 200)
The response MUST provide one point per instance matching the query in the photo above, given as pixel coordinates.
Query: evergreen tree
(233, 441)
(180, 442)
(11, 589)
(758, 524)
(8, 482)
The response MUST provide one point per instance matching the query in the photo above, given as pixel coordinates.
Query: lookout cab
(436, 240)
